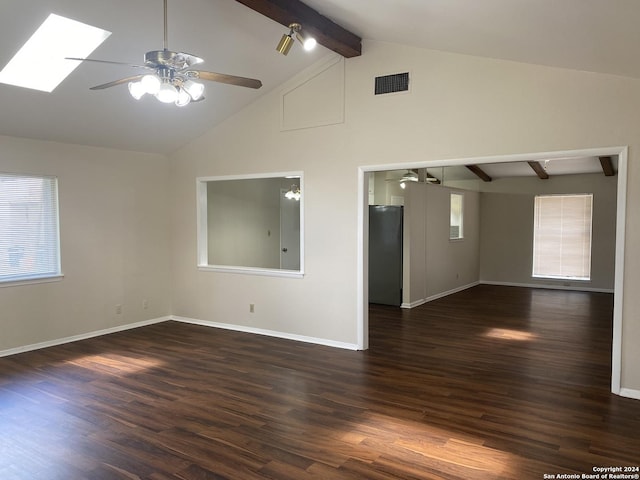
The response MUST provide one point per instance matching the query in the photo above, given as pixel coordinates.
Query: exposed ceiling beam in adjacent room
(433, 180)
(425, 177)
(539, 169)
(481, 174)
(326, 32)
(607, 166)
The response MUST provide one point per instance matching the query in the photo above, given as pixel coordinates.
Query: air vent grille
(398, 82)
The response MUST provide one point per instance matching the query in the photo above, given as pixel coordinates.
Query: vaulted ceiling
(232, 37)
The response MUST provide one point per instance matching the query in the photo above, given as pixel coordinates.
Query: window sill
(31, 281)
(265, 272)
(561, 279)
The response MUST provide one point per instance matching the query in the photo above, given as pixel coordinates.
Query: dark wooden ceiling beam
(539, 169)
(326, 32)
(425, 177)
(433, 180)
(607, 166)
(481, 174)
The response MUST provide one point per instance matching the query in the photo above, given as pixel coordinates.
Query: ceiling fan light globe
(293, 193)
(183, 98)
(194, 89)
(136, 90)
(167, 93)
(151, 84)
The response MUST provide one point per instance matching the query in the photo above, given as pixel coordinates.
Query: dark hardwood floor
(490, 383)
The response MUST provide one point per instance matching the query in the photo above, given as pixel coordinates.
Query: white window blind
(29, 235)
(456, 223)
(562, 236)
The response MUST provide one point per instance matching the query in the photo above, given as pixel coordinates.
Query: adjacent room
(246, 239)
(498, 223)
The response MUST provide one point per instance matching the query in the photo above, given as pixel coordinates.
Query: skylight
(40, 64)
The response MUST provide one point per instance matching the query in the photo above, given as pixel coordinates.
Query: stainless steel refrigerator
(385, 254)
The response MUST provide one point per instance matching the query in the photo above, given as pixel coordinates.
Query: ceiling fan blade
(117, 82)
(109, 62)
(223, 78)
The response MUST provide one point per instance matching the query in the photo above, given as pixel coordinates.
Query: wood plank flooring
(490, 383)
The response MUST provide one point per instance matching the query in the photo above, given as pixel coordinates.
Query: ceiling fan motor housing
(174, 60)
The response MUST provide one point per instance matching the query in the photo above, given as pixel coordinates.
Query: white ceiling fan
(170, 76)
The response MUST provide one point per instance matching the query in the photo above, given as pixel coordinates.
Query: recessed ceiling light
(40, 64)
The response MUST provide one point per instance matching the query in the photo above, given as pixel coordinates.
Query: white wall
(435, 265)
(459, 106)
(328, 288)
(114, 242)
(507, 228)
(414, 246)
(451, 264)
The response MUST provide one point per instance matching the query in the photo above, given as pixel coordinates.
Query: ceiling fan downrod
(166, 28)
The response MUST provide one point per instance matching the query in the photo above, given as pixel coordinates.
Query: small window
(455, 226)
(562, 236)
(251, 224)
(29, 237)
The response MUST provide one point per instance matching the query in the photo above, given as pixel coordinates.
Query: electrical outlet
(118, 309)
(145, 304)
(251, 308)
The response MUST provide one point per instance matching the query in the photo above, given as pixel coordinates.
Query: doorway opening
(289, 231)
(530, 161)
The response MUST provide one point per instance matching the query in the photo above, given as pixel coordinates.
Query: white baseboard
(268, 333)
(415, 304)
(422, 301)
(547, 285)
(83, 336)
(630, 393)
(225, 326)
(451, 292)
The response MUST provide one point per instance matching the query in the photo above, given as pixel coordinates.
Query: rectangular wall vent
(398, 82)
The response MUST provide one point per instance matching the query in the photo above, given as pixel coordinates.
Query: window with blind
(29, 235)
(456, 215)
(562, 236)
